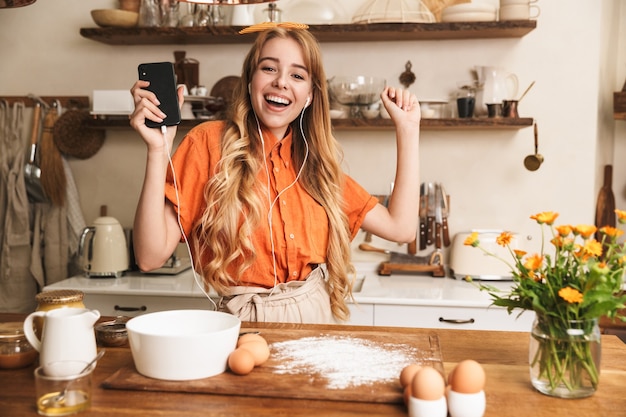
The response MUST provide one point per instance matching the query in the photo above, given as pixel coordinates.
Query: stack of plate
(470, 12)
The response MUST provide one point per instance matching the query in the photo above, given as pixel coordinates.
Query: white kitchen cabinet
(462, 318)
(134, 305)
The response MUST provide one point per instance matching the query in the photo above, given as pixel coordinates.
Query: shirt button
(292, 236)
(294, 273)
(276, 170)
(284, 203)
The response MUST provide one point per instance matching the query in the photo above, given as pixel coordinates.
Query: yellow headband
(260, 27)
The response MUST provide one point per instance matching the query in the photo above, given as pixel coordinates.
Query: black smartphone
(162, 80)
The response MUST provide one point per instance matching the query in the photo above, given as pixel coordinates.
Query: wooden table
(503, 354)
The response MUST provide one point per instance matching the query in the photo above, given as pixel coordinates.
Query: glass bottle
(149, 13)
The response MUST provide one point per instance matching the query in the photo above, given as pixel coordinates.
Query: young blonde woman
(262, 196)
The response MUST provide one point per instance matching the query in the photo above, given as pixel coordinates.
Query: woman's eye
(268, 69)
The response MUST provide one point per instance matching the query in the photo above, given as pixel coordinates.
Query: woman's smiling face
(281, 85)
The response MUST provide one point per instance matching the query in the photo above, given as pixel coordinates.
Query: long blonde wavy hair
(234, 195)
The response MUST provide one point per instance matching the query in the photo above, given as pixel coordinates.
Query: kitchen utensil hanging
(53, 179)
(533, 162)
(605, 206)
(393, 11)
(32, 172)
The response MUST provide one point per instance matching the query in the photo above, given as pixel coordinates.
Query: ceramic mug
(512, 2)
(519, 12)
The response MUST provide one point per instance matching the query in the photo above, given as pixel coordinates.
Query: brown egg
(408, 373)
(468, 377)
(250, 337)
(241, 361)
(260, 351)
(428, 384)
(406, 394)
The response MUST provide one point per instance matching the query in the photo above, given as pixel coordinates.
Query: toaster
(469, 261)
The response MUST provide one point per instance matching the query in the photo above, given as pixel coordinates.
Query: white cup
(512, 2)
(519, 12)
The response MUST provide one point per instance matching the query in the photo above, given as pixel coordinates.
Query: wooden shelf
(371, 32)
(476, 123)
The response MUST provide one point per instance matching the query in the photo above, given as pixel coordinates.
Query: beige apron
(292, 302)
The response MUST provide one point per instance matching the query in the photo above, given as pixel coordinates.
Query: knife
(430, 218)
(438, 215)
(423, 210)
(402, 258)
(446, 212)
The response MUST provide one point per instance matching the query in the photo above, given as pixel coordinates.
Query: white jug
(67, 335)
(497, 84)
(243, 15)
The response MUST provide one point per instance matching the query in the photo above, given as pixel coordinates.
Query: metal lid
(59, 297)
(11, 331)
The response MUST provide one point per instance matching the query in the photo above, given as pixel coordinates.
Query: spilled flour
(342, 360)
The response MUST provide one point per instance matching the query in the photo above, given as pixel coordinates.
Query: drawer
(133, 305)
(361, 314)
(462, 318)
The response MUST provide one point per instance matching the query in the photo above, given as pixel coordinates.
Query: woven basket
(74, 137)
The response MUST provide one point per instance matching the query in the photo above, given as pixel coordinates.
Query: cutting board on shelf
(285, 377)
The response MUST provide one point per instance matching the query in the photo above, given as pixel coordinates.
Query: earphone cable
(180, 225)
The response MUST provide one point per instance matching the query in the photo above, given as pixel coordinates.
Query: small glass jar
(15, 351)
(50, 300)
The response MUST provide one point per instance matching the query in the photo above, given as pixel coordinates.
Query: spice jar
(15, 351)
(49, 300)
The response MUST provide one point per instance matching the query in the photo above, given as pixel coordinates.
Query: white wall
(576, 56)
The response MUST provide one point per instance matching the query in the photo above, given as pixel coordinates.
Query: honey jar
(49, 300)
(15, 351)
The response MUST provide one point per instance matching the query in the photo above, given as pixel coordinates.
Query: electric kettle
(102, 248)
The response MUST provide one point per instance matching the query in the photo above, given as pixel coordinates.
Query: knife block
(434, 267)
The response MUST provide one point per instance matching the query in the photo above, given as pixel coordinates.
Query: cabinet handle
(456, 321)
(127, 309)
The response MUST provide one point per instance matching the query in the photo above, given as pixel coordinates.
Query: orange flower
(611, 231)
(519, 253)
(504, 239)
(585, 230)
(533, 262)
(592, 247)
(547, 217)
(621, 215)
(571, 295)
(471, 240)
(564, 230)
(558, 241)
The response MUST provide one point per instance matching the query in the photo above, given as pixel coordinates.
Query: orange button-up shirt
(299, 223)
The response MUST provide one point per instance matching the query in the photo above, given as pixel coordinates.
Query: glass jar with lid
(15, 351)
(50, 300)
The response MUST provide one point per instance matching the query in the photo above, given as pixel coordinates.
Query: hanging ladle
(533, 162)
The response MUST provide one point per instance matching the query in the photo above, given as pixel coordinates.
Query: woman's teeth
(277, 100)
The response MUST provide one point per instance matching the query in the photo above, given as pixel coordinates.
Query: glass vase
(564, 356)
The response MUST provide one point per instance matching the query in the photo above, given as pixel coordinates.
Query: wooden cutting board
(283, 376)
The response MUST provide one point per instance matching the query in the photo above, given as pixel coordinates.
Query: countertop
(508, 390)
(406, 289)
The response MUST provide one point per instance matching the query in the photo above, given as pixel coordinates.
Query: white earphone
(308, 101)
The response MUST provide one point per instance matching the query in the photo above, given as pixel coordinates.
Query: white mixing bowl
(181, 345)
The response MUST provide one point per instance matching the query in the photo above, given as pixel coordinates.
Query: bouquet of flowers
(572, 282)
